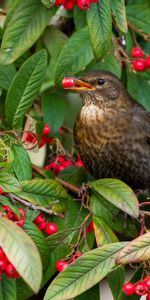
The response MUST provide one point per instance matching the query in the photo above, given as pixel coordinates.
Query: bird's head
(96, 87)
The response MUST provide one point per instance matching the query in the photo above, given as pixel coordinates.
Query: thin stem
(32, 206)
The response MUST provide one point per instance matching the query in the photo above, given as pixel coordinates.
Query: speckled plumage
(112, 132)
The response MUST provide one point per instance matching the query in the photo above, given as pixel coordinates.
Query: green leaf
(24, 88)
(5, 201)
(140, 9)
(79, 17)
(118, 193)
(43, 191)
(100, 27)
(22, 252)
(48, 3)
(119, 14)
(116, 280)
(37, 236)
(7, 289)
(91, 294)
(21, 163)
(9, 183)
(75, 55)
(103, 233)
(60, 238)
(108, 63)
(23, 29)
(84, 273)
(7, 74)
(139, 89)
(54, 108)
(137, 250)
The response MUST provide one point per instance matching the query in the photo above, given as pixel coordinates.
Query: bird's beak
(77, 85)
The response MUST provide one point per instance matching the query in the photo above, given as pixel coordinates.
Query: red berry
(147, 61)
(68, 82)
(83, 4)
(1, 190)
(75, 256)
(41, 226)
(60, 159)
(148, 296)
(146, 283)
(79, 163)
(7, 208)
(20, 222)
(128, 288)
(68, 5)
(140, 289)
(90, 227)
(139, 65)
(3, 264)
(2, 254)
(51, 228)
(61, 265)
(46, 129)
(137, 52)
(59, 2)
(28, 136)
(22, 212)
(47, 139)
(67, 163)
(11, 271)
(42, 142)
(39, 219)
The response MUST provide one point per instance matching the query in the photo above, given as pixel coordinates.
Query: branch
(30, 205)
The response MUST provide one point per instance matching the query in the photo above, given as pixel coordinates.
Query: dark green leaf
(9, 183)
(21, 163)
(7, 74)
(8, 289)
(22, 252)
(40, 241)
(91, 294)
(54, 108)
(140, 9)
(24, 27)
(100, 27)
(60, 238)
(25, 88)
(119, 14)
(118, 193)
(116, 280)
(75, 55)
(43, 191)
(137, 250)
(84, 273)
(79, 17)
(108, 63)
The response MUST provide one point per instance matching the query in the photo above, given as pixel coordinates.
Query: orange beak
(75, 84)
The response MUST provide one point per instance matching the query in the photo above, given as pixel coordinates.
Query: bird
(112, 130)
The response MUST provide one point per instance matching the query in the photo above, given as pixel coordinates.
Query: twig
(69, 186)
(144, 203)
(32, 206)
(139, 31)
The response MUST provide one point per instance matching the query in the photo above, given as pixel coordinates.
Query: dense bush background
(40, 45)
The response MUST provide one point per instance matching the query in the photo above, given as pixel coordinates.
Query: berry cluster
(81, 4)
(31, 137)
(6, 266)
(139, 64)
(62, 163)
(63, 264)
(49, 228)
(12, 216)
(140, 288)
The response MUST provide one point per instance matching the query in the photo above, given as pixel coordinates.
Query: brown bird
(112, 131)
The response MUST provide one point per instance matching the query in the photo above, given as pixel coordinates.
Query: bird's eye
(101, 81)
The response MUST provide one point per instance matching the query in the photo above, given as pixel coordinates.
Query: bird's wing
(141, 120)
